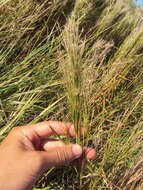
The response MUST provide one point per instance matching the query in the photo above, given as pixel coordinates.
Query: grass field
(79, 61)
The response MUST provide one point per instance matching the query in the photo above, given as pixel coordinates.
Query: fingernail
(72, 127)
(77, 150)
(72, 131)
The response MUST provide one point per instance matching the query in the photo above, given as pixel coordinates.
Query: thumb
(61, 155)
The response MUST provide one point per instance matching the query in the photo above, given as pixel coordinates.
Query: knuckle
(63, 156)
(60, 157)
(13, 136)
(15, 130)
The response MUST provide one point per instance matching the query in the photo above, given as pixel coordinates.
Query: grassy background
(105, 37)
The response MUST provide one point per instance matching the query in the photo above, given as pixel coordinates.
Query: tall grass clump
(74, 68)
(78, 82)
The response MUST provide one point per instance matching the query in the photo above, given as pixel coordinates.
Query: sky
(139, 2)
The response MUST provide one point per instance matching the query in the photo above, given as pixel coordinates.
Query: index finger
(52, 128)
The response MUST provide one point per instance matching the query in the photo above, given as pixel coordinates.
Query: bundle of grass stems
(77, 61)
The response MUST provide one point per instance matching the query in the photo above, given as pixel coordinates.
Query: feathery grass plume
(78, 82)
(78, 73)
(71, 68)
(125, 59)
(75, 70)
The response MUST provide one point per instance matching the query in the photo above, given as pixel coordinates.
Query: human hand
(26, 153)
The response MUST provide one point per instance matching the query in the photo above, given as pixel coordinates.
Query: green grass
(79, 61)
